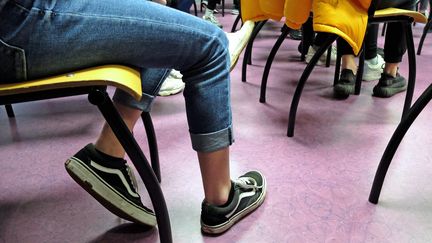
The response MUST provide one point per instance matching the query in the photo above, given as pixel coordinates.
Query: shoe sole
(387, 91)
(250, 26)
(218, 229)
(342, 91)
(111, 200)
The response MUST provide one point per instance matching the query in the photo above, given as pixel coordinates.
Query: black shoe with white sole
(247, 193)
(111, 183)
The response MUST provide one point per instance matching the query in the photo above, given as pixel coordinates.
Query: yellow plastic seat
(122, 77)
(93, 82)
(397, 12)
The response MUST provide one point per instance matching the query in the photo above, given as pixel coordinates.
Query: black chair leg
(259, 26)
(282, 37)
(337, 67)
(9, 111)
(302, 81)
(101, 99)
(423, 37)
(248, 50)
(152, 143)
(236, 21)
(359, 75)
(411, 70)
(328, 58)
(195, 9)
(254, 35)
(394, 142)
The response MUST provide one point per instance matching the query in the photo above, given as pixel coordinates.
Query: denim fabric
(46, 37)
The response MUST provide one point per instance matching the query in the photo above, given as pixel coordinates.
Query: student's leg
(374, 63)
(391, 82)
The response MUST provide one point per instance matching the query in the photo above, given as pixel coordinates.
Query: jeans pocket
(12, 63)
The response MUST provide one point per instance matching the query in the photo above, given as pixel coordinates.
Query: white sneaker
(322, 60)
(235, 11)
(373, 71)
(209, 16)
(173, 84)
(238, 41)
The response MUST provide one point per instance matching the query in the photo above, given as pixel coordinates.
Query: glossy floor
(318, 181)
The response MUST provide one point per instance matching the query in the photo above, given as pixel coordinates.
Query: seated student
(40, 38)
(390, 82)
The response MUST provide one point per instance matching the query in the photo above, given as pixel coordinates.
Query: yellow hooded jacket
(345, 18)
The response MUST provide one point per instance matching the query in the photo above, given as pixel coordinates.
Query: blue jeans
(40, 38)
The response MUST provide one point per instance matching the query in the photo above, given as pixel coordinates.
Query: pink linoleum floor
(318, 181)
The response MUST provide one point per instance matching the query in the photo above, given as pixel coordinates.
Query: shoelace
(247, 183)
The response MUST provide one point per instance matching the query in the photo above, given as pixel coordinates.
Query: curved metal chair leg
(259, 27)
(423, 37)
(359, 75)
(9, 111)
(412, 68)
(394, 142)
(195, 8)
(337, 68)
(236, 21)
(101, 99)
(152, 143)
(248, 50)
(282, 37)
(328, 58)
(302, 81)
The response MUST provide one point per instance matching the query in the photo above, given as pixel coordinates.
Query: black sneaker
(111, 184)
(388, 85)
(345, 85)
(247, 193)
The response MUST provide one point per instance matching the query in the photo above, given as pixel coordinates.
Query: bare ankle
(220, 197)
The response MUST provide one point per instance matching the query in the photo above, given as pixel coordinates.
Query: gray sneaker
(388, 85)
(247, 194)
(345, 85)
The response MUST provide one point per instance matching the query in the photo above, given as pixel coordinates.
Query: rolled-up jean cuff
(210, 142)
(126, 99)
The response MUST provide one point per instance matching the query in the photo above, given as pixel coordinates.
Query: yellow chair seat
(389, 12)
(122, 77)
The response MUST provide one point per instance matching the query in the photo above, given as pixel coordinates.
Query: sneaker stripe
(115, 172)
(241, 196)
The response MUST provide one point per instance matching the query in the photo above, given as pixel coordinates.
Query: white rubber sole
(243, 35)
(106, 195)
